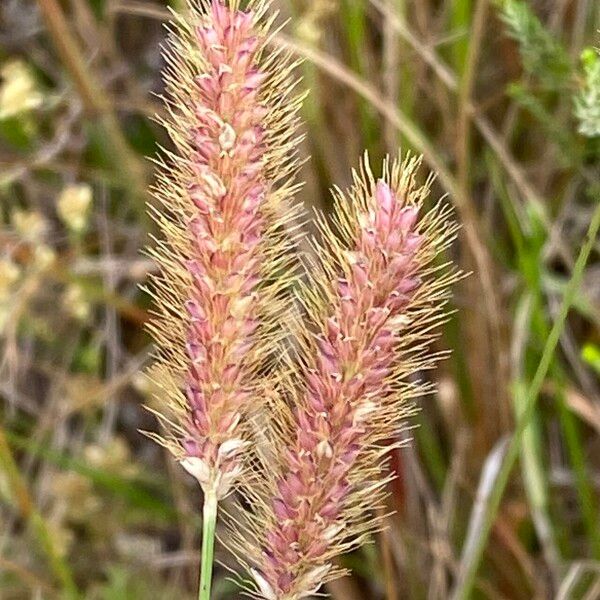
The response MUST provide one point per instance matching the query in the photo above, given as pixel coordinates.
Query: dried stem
(94, 98)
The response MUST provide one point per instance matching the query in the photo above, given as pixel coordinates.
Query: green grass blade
(469, 570)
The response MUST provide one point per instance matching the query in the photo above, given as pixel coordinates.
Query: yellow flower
(73, 206)
(18, 91)
(43, 256)
(75, 302)
(114, 457)
(29, 224)
(9, 273)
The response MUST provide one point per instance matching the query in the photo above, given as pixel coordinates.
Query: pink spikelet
(222, 211)
(371, 317)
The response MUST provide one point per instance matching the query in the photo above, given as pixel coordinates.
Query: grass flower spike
(374, 300)
(222, 211)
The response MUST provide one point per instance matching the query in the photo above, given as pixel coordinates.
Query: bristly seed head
(222, 210)
(379, 296)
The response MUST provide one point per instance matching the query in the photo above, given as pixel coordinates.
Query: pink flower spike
(362, 338)
(221, 207)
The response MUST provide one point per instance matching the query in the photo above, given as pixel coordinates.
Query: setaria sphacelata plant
(331, 402)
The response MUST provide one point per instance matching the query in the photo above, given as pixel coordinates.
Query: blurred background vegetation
(503, 100)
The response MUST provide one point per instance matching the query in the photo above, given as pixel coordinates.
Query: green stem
(465, 584)
(39, 529)
(209, 520)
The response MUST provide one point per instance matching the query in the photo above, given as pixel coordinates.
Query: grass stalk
(583, 485)
(353, 15)
(467, 57)
(466, 580)
(96, 102)
(389, 572)
(528, 250)
(209, 520)
(576, 455)
(313, 113)
(460, 15)
(35, 520)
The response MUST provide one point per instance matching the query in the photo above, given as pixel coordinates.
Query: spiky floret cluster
(223, 214)
(375, 297)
